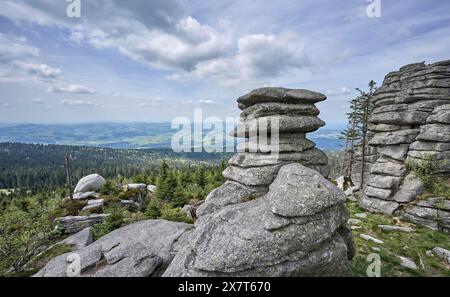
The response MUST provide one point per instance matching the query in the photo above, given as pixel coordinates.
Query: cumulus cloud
(72, 89)
(338, 91)
(71, 102)
(42, 71)
(162, 35)
(14, 48)
(257, 56)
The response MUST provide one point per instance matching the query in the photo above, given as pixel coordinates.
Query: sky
(154, 60)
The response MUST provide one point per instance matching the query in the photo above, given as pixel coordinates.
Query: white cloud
(160, 34)
(257, 57)
(338, 91)
(40, 70)
(206, 101)
(73, 89)
(76, 102)
(4, 105)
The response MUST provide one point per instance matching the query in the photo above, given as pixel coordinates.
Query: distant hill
(126, 135)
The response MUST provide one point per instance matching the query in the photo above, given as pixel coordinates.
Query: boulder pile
(410, 123)
(290, 113)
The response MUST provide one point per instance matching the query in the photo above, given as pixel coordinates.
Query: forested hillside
(38, 167)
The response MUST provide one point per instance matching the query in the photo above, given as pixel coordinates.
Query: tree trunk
(69, 174)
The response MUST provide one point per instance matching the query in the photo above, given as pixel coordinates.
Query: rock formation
(138, 250)
(410, 122)
(274, 216)
(256, 164)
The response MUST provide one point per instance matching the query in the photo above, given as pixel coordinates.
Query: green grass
(396, 243)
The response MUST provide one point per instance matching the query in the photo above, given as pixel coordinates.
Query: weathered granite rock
(309, 157)
(285, 143)
(151, 188)
(80, 240)
(442, 253)
(410, 123)
(135, 187)
(393, 138)
(74, 224)
(378, 205)
(370, 238)
(397, 152)
(287, 124)
(94, 204)
(384, 182)
(228, 193)
(92, 182)
(434, 132)
(384, 194)
(273, 108)
(432, 218)
(407, 262)
(252, 176)
(138, 250)
(388, 168)
(409, 190)
(85, 195)
(279, 95)
(253, 239)
(396, 228)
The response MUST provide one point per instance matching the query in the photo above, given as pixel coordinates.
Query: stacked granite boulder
(257, 162)
(410, 122)
(272, 217)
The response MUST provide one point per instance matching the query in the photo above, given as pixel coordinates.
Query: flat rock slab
(370, 238)
(74, 224)
(281, 95)
(354, 221)
(138, 250)
(360, 215)
(268, 109)
(396, 228)
(280, 124)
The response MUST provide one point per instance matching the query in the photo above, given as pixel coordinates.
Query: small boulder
(92, 182)
(151, 188)
(442, 253)
(135, 187)
(407, 262)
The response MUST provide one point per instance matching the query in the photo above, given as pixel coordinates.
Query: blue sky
(155, 60)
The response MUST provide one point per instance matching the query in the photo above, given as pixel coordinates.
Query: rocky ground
(415, 246)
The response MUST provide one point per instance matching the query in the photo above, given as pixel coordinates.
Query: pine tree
(365, 108)
(356, 132)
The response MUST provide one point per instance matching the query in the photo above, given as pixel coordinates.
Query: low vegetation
(413, 245)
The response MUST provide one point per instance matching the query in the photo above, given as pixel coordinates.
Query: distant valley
(126, 135)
